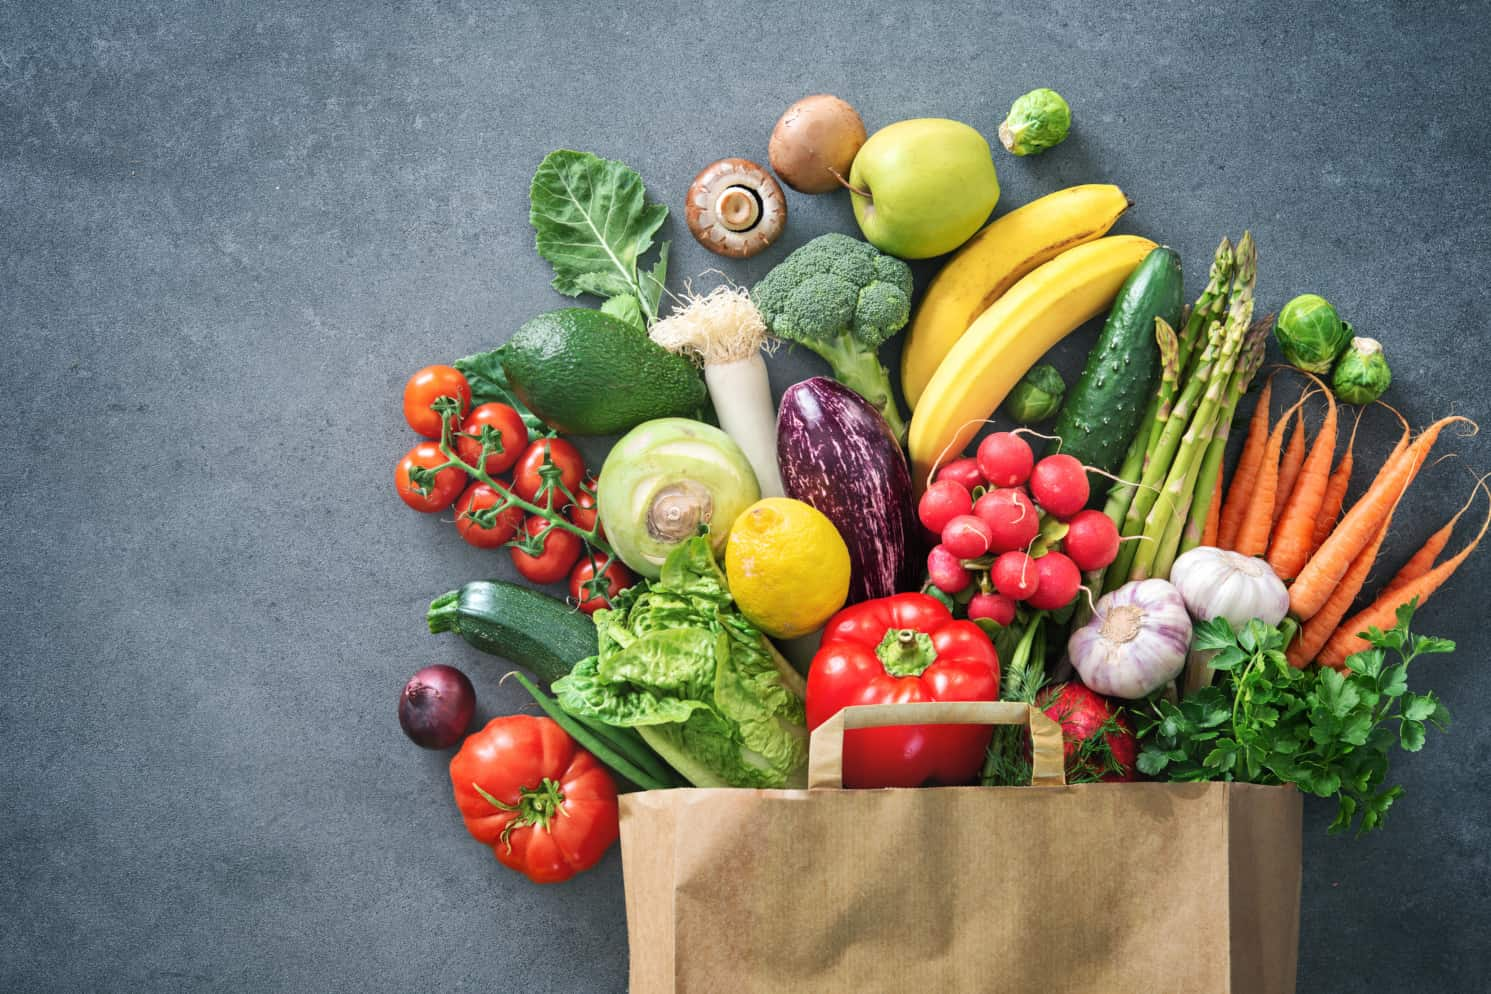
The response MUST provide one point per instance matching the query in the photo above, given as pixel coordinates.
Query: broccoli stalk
(842, 298)
(862, 372)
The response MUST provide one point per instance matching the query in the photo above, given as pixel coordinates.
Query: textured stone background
(229, 231)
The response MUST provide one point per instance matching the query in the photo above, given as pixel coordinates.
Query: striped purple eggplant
(836, 453)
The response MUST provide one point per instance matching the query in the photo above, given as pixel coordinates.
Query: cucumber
(588, 373)
(542, 634)
(1103, 409)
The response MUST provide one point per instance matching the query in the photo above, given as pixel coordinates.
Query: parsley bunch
(1325, 731)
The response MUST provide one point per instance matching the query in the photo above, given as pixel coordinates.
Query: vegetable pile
(1180, 621)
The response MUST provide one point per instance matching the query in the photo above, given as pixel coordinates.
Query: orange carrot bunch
(1285, 502)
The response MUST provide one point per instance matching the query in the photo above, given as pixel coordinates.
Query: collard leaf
(592, 222)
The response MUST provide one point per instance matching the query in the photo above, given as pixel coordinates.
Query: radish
(1057, 582)
(946, 571)
(1012, 519)
(964, 471)
(1005, 459)
(1059, 485)
(1091, 540)
(943, 501)
(996, 607)
(1098, 743)
(967, 537)
(1014, 575)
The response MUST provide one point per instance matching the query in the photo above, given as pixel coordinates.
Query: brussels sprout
(1036, 397)
(1037, 121)
(1311, 333)
(1362, 374)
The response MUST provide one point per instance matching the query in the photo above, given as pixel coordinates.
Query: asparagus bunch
(1205, 368)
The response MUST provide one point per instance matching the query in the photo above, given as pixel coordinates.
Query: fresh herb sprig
(1328, 732)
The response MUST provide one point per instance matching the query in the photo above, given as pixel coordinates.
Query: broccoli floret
(842, 298)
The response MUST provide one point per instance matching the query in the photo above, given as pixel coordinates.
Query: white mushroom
(735, 208)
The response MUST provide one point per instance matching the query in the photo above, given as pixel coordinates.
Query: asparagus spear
(1209, 307)
(1157, 469)
(1133, 461)
(1247, 369)
(1166, 519)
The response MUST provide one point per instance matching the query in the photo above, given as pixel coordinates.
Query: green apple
(923, 187)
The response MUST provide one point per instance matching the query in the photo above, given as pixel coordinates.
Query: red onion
(436, 707)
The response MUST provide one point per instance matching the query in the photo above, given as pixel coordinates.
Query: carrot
(1314, 633)
(1290, 548)
(1383, 612)
(1423, 560)
(1312, 588)
(1213, 513)
(1252, 535)
(1245, 477)
(1289, 466)
(1335, 491)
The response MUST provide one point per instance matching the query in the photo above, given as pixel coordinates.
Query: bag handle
(826, 744)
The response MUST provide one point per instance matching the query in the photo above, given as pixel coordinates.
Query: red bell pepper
(899, 649)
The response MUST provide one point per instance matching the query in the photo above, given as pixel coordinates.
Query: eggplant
(837, 454)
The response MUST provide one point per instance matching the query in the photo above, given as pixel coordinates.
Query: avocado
(588, 373)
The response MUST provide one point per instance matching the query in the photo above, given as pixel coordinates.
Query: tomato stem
(556, 519)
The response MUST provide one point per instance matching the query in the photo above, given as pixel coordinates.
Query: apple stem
(849, 186)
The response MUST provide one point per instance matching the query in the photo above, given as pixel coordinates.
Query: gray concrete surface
(229, 231)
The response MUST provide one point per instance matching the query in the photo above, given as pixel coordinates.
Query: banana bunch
(1015, 289)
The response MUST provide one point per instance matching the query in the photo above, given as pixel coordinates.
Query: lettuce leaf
(700, 683)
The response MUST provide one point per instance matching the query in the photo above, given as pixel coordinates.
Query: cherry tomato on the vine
(436, 495)
(427, 386)
(479, 497)
(582, 513)
(586, 589)
(566, 462)
(511, 437)
(560, 549)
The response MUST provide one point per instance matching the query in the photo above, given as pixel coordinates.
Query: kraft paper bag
(1150, 888)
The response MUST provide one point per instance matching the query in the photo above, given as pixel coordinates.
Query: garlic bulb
(1216, 583)
(1136, 641)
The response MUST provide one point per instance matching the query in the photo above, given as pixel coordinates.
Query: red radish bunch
(1013, 529)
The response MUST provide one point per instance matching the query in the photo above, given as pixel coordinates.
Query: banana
(1009, 337)
(992, 261)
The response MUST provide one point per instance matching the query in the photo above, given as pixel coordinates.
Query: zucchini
(1103, 409)
(542, 634)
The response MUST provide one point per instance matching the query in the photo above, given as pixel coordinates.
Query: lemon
(787, 566)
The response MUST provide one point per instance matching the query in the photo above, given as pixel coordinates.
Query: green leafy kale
(1327, 732)
(592, 221)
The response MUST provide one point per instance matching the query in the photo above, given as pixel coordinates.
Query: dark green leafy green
(593, 223)
(489, 385)
(699, 682)
(1328, 732)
